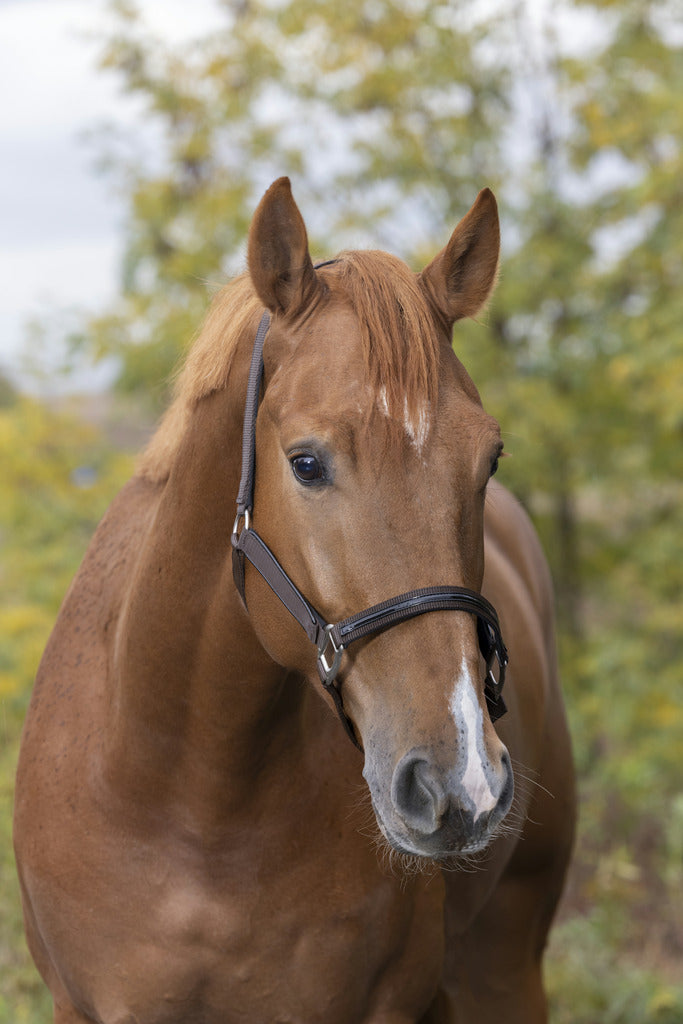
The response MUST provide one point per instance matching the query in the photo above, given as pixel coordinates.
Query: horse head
(373, 456)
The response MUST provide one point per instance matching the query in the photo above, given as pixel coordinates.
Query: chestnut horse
(197, 839)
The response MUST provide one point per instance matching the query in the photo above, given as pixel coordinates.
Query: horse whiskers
(360, 808)
(406, 865)
(402, 865)
(359, 798)
(513, 828)
(527, 774)
(526, 786)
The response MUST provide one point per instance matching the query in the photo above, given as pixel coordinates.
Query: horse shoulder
(93, 601)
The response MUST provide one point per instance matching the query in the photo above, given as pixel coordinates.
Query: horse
(222, 816)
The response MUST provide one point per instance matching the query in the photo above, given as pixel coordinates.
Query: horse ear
(462, 277)
(279, 262)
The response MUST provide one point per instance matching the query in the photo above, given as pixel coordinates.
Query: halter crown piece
(332, 639)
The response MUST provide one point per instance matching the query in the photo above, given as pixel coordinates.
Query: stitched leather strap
(407, 606)
(332, 639)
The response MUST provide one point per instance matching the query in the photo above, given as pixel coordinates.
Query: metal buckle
(328, 670)
(491, 684)
(247, 522)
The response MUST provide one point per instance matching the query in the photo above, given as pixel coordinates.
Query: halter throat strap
(332, 639)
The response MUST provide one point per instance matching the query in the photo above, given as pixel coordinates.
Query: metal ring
(247, 522)
(328, 671)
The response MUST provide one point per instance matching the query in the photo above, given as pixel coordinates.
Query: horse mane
(399, 340)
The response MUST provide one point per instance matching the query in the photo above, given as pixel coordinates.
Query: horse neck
(197, 702)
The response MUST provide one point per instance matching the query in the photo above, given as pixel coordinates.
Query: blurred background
(135, 141)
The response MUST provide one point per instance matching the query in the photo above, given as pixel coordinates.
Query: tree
(630, 112)
(387, 93)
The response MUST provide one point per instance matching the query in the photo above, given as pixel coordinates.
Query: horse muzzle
(439, 813)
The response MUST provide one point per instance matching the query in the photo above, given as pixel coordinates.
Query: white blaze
(469, 720)
(418, 432)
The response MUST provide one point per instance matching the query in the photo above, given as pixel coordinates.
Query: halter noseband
(332, 639)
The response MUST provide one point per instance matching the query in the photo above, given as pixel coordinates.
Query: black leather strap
(431, 599)
(407, 606)
(333, 639)
(245, 497)
(262, 558)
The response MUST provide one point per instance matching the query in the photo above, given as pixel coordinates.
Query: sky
(60, 221)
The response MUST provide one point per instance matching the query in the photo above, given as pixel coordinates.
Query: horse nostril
(418, 795)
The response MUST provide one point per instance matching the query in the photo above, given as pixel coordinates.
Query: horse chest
(289, 949)
(177, 939)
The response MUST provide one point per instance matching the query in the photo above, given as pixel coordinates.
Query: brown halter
(332, 639)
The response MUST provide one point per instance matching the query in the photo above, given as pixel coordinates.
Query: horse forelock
(399, 341)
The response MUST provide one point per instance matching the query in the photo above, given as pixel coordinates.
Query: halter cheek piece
(332, 639)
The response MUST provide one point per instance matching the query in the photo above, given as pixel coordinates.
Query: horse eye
(494, 466)
(307, 469)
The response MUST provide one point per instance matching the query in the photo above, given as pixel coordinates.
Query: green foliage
(56, 478)
(23, 997)
(588, 982)
(374, 106)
